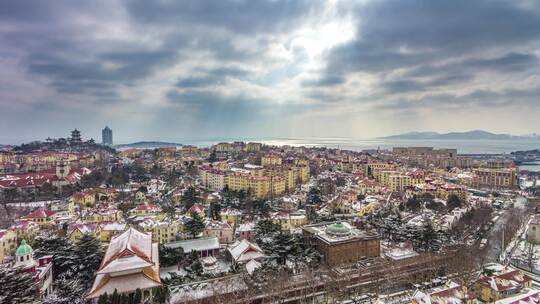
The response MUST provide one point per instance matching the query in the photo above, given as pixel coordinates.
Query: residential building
(451, 292)
(8, 243)
(25, 230)
(495, 178)
(498, 286)
(41, 217)
(222, 230)
(533, 230)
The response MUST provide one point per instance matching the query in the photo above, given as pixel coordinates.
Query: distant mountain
(147, 145)
(470, 135)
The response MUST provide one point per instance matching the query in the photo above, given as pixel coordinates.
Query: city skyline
(244, 69)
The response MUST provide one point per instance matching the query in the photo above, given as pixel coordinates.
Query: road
(495, 233)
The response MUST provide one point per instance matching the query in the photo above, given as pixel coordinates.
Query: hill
(469, 135)
(147, 145)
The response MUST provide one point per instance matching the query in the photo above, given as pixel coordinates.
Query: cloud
(269, 67)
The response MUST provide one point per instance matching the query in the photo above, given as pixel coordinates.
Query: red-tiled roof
(40, 213)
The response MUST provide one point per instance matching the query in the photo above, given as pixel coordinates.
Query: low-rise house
(450, 293)
(103, 213)
(501, 285)
(162, 231)
(76, 231)
(223, 231)
(231, 216)
(246, 231)
(244, 251)
(41, 217)
(145, 209)
(25, 230)
(108, 230)
(197, 208)
(289, 221)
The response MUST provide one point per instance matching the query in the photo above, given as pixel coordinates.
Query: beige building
(212, 178)
(495, 178)
(8, 244)
(533, 231)
(222, 230)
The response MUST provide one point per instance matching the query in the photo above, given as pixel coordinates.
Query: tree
(170, 256)
(360, 197)
(62, 250)
(282, 247)
(413, 204)
(103, 299)
(17, 287)
(194, 268)
(215, 211)
(453, 202)
(314, 196)
(195, 225)
(212, 158)
(67, 291)
(137, 298)
(48, 189)
(265, 230)
(89, 253)
(190, 197)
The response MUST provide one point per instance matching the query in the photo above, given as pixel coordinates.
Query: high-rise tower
(106, 136)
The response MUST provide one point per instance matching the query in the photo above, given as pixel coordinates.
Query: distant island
(147, 145)
(469, 135)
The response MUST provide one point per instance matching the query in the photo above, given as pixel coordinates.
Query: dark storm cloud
(397, 34)
(326, 81)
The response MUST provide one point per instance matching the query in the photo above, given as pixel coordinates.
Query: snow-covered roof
(244, 251)
(209, 243)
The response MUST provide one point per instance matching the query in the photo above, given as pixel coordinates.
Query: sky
(201, 69)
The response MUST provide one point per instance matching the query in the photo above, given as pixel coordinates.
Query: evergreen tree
(170, 256)
(314, 196)
(62, 250)
(453, 202)
(282, 247)
(67, 291)
(103, 299)
(265, 230)
(89, 253)
(190, 197)
(195, 225)
(212, 158)
(137, 298)
(17, 287)
(194, 268)
(215, 211)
